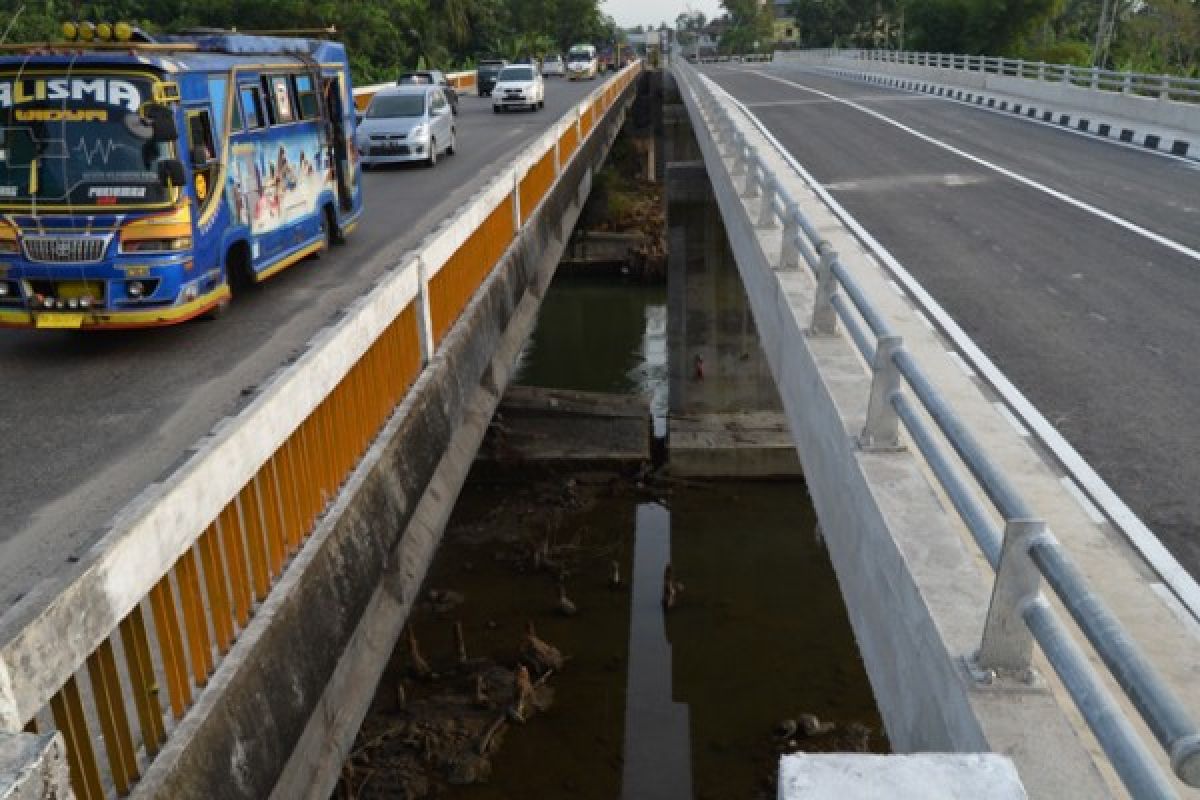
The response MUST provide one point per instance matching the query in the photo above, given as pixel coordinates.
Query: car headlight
(419, 131)
(9, 246)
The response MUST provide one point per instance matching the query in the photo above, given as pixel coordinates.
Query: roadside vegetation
(1158, 36)
(382, 36)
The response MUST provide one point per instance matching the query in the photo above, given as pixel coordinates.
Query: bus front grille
(65, 249)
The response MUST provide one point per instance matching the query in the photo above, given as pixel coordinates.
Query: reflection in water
(601, 337)
(658, 763)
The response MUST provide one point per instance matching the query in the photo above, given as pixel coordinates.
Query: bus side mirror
(172, 173)
(162, 123)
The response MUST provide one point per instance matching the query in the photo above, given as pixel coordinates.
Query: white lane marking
(962, 364)
(1143, 539)
(1088, 208)
(1084, 501)
(1012, 419)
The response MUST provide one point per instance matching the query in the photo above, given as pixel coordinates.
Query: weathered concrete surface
(916, 591)
(717, 371)
(282, 710)
(600, 248)
(942, 776)
(748, 444)
(34, 767)
(546, 427)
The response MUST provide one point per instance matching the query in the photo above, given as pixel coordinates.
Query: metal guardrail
(1166, 87)
(1025, 551)
(166, 594)
(748, 58)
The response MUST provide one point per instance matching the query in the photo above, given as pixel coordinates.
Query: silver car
(406, 123)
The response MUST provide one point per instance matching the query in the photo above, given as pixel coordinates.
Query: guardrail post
(1164, 92)
(1041, 70)
(753, 162)
(739, 153)
(789, 252)
(1095, 82)
(1127, 83)
(766, 212)
(424, 314)
(824, 316)
(882, 428)
(1007, 641)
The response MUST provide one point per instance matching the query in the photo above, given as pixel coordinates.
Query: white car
(554, 65)
(519, 86)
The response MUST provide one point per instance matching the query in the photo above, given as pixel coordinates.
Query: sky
(629, 13)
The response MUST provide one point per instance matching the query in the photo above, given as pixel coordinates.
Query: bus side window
(308, 96)
(251, 107)
(281, 94)
(268, 108)
(200, 140)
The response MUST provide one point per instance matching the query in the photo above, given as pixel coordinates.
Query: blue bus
(141, 178)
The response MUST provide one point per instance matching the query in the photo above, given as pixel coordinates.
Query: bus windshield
(579, 54)
(78, 141)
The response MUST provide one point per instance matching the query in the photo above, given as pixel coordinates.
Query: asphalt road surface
(1072, 262)
(87, 420)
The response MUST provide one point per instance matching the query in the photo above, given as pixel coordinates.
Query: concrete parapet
(934, 776)
(1166, 113)
(33, 767)
(282, 710)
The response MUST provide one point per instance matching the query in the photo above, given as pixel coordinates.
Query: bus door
(336, 109)
(202, 151)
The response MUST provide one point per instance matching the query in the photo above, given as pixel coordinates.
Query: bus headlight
(172, 245)
(9, 247)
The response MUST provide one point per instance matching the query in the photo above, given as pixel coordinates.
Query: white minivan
(581, 62)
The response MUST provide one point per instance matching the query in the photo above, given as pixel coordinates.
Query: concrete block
(928, 776)
(34, 767)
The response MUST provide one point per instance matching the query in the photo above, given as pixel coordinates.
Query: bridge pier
(726, 419)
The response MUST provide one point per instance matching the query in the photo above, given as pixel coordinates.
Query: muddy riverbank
(754, 658)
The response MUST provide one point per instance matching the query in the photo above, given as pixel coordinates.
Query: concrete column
(726, 416)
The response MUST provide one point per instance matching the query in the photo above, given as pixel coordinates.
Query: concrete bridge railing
(105, 672)
(820, 317)
(1162, 100)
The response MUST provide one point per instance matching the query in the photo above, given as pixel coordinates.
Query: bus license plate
(60, 320)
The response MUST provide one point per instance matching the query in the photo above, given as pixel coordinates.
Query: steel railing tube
(1124, 748)
(863, 339)
(1154, 699)
(995, 484)
(965, 501)
(875, 320)
(1132, 761)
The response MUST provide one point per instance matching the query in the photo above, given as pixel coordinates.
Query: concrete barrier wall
(1155, 111)
(282, 725)
(916, 589)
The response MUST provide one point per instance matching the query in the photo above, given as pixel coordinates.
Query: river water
(657, 704)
